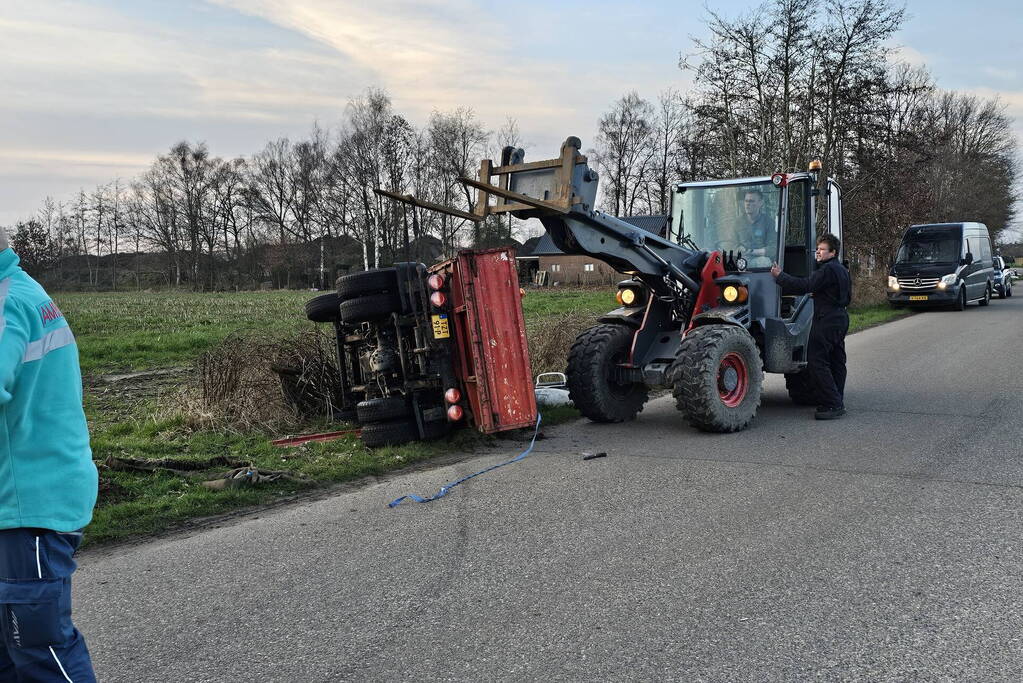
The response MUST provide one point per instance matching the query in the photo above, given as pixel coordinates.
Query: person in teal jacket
(48, 482)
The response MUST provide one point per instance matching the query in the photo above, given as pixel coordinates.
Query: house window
(555, 267)
(588, 267)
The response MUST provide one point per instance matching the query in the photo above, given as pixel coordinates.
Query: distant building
(545, 264)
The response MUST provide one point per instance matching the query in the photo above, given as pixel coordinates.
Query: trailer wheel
(393, 433)
(801, 388)
(381, 409)
(367, 308)
(592, 362)
(367, 282)
(323, 309)
(718, 376)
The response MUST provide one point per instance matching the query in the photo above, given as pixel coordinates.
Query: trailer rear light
(455, 413)
(435, 281)
(438, 299)
(452, 395)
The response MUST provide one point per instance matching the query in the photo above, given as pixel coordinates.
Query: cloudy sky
(93, 90)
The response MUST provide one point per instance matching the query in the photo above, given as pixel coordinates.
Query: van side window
(985, 248)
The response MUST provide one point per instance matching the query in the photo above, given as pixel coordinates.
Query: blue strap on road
(447, 487)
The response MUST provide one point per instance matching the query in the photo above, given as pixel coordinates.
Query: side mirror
(967, 260)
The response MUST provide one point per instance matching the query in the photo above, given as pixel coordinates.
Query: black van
(942, 264)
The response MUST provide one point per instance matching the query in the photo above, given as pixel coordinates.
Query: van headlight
(893, 283)
(947, 281)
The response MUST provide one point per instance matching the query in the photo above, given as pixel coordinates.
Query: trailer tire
(382, 409)
(801, 388)
(718, 376)
(392, 433)
(323, 309)
(367, 308)
(367, 282)
(597, 396)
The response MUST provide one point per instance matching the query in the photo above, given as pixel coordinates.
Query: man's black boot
(829, 413)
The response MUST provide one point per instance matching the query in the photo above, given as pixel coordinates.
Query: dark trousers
(39, 641)
(826, 357)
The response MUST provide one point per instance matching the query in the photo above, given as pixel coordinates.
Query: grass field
(137, 332)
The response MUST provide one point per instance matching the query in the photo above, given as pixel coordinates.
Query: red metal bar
(307, 438)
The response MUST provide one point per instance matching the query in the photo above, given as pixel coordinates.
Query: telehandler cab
(701, 313)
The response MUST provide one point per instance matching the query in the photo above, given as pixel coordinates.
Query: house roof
(545, 247)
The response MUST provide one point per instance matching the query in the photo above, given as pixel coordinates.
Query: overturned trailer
(424, 349)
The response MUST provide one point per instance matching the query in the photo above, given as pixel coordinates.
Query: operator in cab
(757, 230)
(831, 287)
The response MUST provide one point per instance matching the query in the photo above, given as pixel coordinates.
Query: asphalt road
(883, 546)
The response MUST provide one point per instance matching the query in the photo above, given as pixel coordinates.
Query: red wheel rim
(733, 379)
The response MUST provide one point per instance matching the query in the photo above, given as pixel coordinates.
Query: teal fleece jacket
(47, 477)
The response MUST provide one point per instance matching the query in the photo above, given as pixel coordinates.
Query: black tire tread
(393, 433)
(323, 308)
(694, 375)
(587, 384)
(367, 282)
(372, 307)
(382, 409)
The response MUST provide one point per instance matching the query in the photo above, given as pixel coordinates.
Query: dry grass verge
(551, 337)
(251, 382)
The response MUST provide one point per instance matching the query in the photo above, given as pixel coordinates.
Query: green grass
(867, 316)
(137, 331)
(540, 303)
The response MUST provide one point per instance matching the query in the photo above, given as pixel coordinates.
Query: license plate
(918, 298)
(441, 330)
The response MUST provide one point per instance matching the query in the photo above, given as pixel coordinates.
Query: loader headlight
(735, 294)
(630, 295)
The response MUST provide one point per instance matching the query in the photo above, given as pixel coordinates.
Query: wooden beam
(514, 196)
(409, 199)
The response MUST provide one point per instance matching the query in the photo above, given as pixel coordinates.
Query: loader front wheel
(594, 375)
(718, 376)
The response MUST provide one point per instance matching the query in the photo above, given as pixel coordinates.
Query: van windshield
(930, 246)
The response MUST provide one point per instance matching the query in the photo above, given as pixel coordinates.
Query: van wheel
(1008, 291)
(960, 304)
(987, 297)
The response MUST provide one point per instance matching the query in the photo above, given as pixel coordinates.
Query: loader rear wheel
(381, 409)
(801, 388)
(367, 282)
(718, 376)
(323, 309)
(367, 308)
(393, 433)
(592, 365)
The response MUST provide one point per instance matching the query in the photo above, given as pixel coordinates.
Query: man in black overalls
(832, 289)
